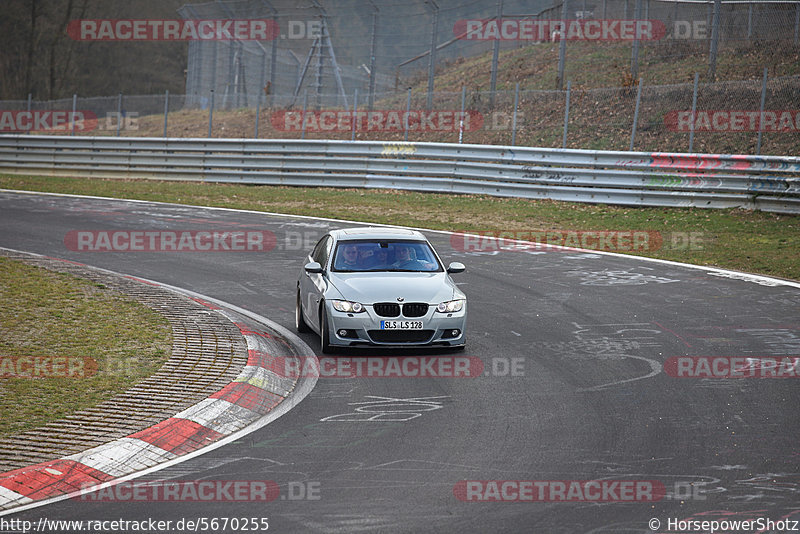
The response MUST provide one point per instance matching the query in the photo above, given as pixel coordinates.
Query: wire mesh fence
(327, 50)
(628, 65)
(728, 117)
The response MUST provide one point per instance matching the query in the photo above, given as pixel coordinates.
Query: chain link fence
(729, 117)
(325, 51)
(333, 58)
(684, 30)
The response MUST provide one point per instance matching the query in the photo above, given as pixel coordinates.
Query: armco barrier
(769, 183)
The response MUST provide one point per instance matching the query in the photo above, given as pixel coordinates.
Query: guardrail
(768, 183)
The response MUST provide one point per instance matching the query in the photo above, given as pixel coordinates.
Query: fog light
(454, 333)
(451, 333)
(347, 333)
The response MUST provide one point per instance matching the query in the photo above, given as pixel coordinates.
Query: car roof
(352, 234)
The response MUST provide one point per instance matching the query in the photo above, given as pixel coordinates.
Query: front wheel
(299, 321)
(324, 334)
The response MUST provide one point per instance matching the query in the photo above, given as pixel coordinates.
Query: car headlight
(347, 307)
(450, 306)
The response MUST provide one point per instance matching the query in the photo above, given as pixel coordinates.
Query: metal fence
(626, 178)
(727, 117)
(330, 49)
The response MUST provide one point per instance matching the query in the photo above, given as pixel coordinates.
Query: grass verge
(743, 240)
(70, 326)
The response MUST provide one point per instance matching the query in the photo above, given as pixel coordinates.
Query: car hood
(369, 288)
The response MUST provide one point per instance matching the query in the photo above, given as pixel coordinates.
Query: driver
(349, 257)
(406, 259)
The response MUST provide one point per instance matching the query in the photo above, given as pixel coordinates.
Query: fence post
(273, 58)
(796, 23)
(749, 21)
(372, 57)
(74, 111)
(214, 57)
(432, 58)
(635, 49)
(461, 122)
(712, 60)
(226, 95)
(210, 113)
(566, 115)
(694, 111)
(514, 118)
(408, 110)
(30, 97)
(305, 103)
(495, 52)
(636, 113)
(262, 79)
(258, 112)
(761, 112)
(166, 110)
(562, 47)
(355, 115)
(119, 112)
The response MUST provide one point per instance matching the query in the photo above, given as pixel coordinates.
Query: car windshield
(385, 256)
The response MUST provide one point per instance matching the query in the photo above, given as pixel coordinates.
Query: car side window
(322, 251)
(327, 251)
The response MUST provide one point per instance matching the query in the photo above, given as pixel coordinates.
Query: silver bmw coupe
(379, 287)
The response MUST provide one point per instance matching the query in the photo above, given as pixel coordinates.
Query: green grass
(53, 315)
(737, 239)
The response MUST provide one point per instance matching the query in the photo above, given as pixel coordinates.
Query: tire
(299, 322)
(324, 334)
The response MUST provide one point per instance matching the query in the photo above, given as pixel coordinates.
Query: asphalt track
(589, 335)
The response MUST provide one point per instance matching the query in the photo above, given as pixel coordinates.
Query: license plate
(401, 325)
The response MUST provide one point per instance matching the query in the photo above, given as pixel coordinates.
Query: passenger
(366, 258)
(406, 259)
(382, 258)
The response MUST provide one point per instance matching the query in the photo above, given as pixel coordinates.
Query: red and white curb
(254, 398)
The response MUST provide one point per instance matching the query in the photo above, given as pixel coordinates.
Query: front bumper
(363, 329)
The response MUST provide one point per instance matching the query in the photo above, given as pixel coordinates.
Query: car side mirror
(313, 267)
(456, 267)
